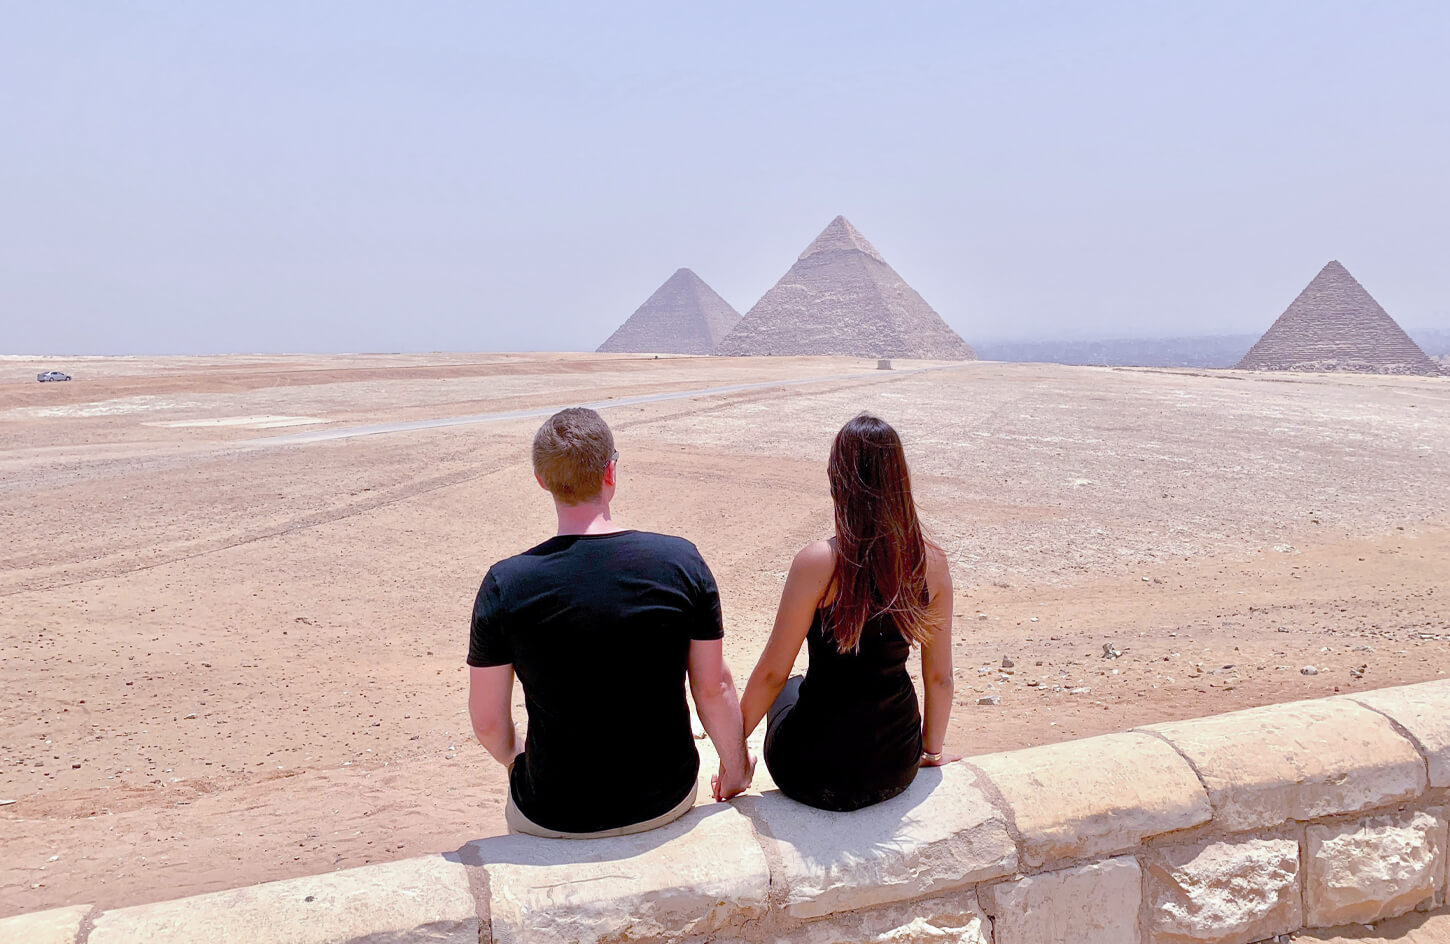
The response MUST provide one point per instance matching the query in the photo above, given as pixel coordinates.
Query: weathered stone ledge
(1230, 829)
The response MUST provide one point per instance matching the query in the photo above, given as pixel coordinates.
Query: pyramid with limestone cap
(841, 297)
(683, 316)
(1335, 325)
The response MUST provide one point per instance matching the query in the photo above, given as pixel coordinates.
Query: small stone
(1308, 670)
(1008, 663)
(190, 717)
(990, 700)
(1111, 651)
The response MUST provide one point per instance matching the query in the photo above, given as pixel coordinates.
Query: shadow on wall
(819, 837)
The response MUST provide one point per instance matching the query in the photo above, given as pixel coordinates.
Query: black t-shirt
(598, 627)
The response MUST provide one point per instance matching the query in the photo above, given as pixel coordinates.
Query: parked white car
(51, 376)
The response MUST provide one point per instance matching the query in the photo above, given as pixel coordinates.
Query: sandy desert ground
(233, 628)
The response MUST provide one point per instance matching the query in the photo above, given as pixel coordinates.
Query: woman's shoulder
(938, 574)
(817, 557)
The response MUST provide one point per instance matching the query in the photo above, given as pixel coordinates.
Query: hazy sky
(268, 176)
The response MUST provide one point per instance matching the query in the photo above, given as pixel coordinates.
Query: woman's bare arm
(806, 583)
(936, 659)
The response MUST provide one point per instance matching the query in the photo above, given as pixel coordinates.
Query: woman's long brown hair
(880, 551)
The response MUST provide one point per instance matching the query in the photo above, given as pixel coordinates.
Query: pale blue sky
(267, 176)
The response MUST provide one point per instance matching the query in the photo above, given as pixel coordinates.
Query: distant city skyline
(357, 177)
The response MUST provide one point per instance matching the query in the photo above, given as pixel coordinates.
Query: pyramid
(683, 316)
(841, 297)
(1335, 325)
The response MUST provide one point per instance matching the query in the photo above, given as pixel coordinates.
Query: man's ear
(541, 482)
(609, 475)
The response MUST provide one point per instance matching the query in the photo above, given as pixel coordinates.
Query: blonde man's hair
(570, 453)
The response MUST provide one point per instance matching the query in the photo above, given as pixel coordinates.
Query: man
(602, 625)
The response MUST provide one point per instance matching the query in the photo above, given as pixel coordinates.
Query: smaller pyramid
(842, 297)
(683, 316)
(1335, 325)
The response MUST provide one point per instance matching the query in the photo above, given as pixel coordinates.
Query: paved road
(349, 432)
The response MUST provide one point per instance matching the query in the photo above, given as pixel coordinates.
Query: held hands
(724, 785)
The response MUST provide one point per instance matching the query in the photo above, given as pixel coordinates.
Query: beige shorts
(519, 823)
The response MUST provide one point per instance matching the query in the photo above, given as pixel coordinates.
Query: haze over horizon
(348, 177)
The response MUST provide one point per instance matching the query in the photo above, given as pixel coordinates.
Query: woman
(850, 733)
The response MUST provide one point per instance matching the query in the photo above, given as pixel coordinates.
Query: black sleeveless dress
(853, 736)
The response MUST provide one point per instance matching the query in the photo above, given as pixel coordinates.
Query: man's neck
(588, 518)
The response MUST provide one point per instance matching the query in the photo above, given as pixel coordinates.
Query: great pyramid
(1335, 325)
(683, 316)
(841, 297)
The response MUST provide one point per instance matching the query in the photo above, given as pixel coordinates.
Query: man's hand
(723, 786)
(719, 710)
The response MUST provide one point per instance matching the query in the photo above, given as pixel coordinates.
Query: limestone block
(1094, 904)
(1298, 761)
(951, 919)
(1442, 874)
(422, 899)
(1096, 796)
(941, 833)
(1223, 892)
(702, 873)
(1424, 711)
(57, 926)
(1372, 869)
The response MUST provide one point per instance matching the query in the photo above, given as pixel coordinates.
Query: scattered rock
(1308, 670)
(1008, 663)
(1111, 651)
(190, 717)
(990, 700)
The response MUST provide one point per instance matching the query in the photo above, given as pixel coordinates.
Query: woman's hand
(939, 760)
(724, 785)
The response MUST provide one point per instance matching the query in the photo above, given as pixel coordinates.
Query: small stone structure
(1335, 325)
(1223, 830)
(841, 297)
(683, 316)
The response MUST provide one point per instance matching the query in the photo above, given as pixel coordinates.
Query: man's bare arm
(490, 709)
(719, 708)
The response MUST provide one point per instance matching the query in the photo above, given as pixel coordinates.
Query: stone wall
(1231, 829)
